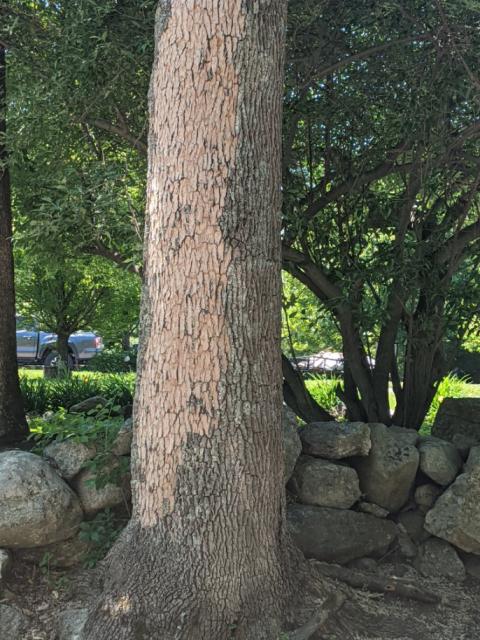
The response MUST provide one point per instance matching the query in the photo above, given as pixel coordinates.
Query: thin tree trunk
(64, 364)
(298, 398)
(204, 557)
(13, 426)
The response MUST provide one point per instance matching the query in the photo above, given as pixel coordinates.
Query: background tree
(13, 425)
(62, 296)
(381, 180)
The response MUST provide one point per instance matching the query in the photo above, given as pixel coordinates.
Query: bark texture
(13, 426)
(205, 554)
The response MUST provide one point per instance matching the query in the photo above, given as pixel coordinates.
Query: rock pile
(358, 490)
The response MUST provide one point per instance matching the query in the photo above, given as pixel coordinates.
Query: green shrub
(40, 394)
(449, 387)
(100, 534)
(324, 391)
(98, 429)
(114, 361)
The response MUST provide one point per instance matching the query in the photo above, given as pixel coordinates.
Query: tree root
(377, 584)
(331, 605)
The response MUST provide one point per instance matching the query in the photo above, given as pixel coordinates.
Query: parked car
(39, 347)
(325, 362)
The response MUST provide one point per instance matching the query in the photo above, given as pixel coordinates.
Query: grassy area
(42, 394)
(323, 390)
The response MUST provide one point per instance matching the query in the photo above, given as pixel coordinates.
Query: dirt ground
(364, 616)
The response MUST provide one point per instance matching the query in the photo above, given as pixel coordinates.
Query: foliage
(114, 361)
(100, 534)
(324, 391)
(97, 429)
(306, 328)
(449, 387)
(42, 394)
(381, 218)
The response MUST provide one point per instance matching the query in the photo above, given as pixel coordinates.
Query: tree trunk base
(154, 594)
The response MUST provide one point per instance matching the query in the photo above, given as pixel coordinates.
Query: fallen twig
(331, 605)
(392, 585)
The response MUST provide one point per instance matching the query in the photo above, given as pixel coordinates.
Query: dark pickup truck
(39, 347)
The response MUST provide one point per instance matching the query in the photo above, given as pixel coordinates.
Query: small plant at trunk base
(97, 429)
(100, 533)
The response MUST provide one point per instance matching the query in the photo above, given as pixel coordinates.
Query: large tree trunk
(13, 426)
(204, 556)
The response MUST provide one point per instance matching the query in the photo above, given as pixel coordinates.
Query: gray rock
(438, 559)
(426, 496)
(325, 484)
(404, 436)
(406, 546)
(336, 440)
(36, 506)
(472, 565)
(68, 457)
(64, 555)
(373, 509)
(338, 535)
(473, 460)
(456, 514)
(458, 416)
(108, 495)
(13, 623)
(463, 444)
(70, 623)
(292, 445)
(439, 460)
(414, 524)
(95, 402)
(368, 565)
(5, 564)
(123, 442)
(387, 474)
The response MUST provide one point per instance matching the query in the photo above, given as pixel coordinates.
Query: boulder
(458, 416)
(36, 506)
(373, 509)
(325, 484)
(473, 460)
(68, 456)
(404, 436)
(338, 535)
(5, 564)
(472, 565)
(95, 402)
(426, 496)
(387, 474)
(439, 460)
(456, 514)
(123, 442)
(13, 623)
(292, 445)
(336, 440)
(70, 623)
(368, 565)
(64, 555)
(438, 559)
(96, 496)
(405, 545)
(414, 524)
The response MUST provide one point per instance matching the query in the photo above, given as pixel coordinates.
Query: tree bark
(13, 426)
(206, 553)
(64, 360)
